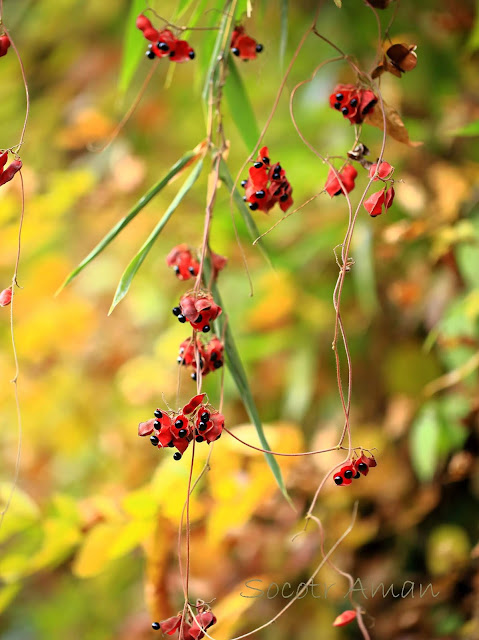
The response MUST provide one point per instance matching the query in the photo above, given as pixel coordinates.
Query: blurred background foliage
(91, 533)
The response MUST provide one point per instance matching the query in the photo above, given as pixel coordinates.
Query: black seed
(192, 271)
(202, 363)
(202, 426)
(218, 364)
(218, 437)
(157, 425)
(163, 46)
(191, 55)
(205, 416)
(154, 440)
(338, 193)
(243, 183)
(276, 176)
(339, 97)
(259, 48)
(278, 168)
(199, 438)
(214, 356)
(176, 311)
(181, 318)
(260, 194)
(179, 424)
(150, 55)
(235, 51)
(337, 105)
(258, 165)
(354, 102)
(338, 480)
(155, 626)
(158, 414)
(170, 444)
(284, 197)
(182, 433)
(362, 466)
(193, 376)
(199, 319)
(345, 111)
(348, 474)
(253, 206)
(176, 269)
(171, 54)
(358, 475)
(277, 192)
(206, 328)
(265, 160)
(177, 456)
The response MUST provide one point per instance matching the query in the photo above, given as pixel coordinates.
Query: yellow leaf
(94, 555)
(394, 125)
(22, 511)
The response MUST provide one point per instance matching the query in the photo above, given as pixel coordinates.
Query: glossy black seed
(258, 165)
(176, 269)
(191, 55)
(193, 376)
(179, 424)
(348, 474)
(214, 356)
(253, 206)
(206, 328)
(202, 426)
(163, 46)
(192, 271)
(277, 192)
(339, 97)
(182, 318)
(260, 194)
(177, 456)
(265, 160)
(338, 480)
(345, 111)
(157, 425)
(276, 176)
(171, 54)
(205, 416)
(217, 364)
(278, 168)
(150, 55)
(170, 444)
(362, 466)
(154, 440)
(176, 311)
(182, 433)
(155, 626)
(243, 183)
(337, 105)
(199, 318)
(158, 414)
(235, 51)
(284, 197)
(259, 48)
(358, 475)
(353, 103)
(199, 438)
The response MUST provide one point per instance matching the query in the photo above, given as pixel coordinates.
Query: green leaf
(137, 261)
(471, 129)
(240, 107)
(134, 46)
(473, 42)
(283, 41)
(423, 442)
(121, 224)
(183, 6)
(235, 367)
(222, 37)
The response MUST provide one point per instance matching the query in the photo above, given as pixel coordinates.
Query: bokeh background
(88, 547)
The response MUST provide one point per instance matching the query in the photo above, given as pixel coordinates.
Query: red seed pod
(181, 52)
(184, 264)
(10, 171)
(267, 185)
(193, 404)
(4, 45)
(384, 172)
(6, 297)
(353, 102)
(213, 432)
(362, 465)
(3, 159)
(345, 475)
(244, 46)
(347, 175)
(171, 625)
(345, 618)
(201, 622)
(142, 22)
(374, 204)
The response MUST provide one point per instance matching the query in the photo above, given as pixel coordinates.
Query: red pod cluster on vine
(193, 629)
(199, 310)
(354, 470)
(338, 179)
(244, 46)
(164, 42)
(184, 263)
(353, 102)
(7, 174)
(267, 185)
(4, 45)
(210, 355)
(6, 297)
(196, 421)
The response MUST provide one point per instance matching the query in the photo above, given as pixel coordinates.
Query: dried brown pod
(358, 153)
(398, 59)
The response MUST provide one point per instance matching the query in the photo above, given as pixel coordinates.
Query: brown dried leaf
(394, 125)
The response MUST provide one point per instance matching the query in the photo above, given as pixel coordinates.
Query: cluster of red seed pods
(354, 469)
(164, 43)
(199, 310)
(4, 45)
(267, 185)
(384, 198)
(244, 46)
(353, 102)
(210, 355)
(198, 420)
(193, 629)
(184, 263)
(347, 177)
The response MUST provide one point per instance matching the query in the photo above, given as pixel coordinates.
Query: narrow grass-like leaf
(183, 6)
(121, 224)
(283, 41)
(135, 264)
(133, 47)
(471, 129)
(240, 107)
(235, 367)
(221, 37)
